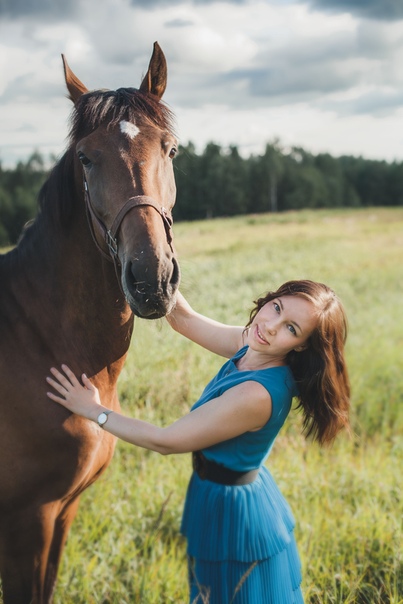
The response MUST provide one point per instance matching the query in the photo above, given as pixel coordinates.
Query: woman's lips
(259, 335)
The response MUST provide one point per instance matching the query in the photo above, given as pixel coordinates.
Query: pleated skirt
(240, 544)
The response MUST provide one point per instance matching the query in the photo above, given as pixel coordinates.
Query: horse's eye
(84, 159)
(173, 152)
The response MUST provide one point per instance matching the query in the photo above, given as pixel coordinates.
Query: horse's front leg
(31, 541)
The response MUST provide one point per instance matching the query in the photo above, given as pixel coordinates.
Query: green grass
(125, 545)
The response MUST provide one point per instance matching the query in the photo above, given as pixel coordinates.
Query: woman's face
(282, 325)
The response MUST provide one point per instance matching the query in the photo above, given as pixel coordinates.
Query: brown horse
(63, 299)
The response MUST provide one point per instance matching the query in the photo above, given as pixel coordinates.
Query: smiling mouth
(260, 335)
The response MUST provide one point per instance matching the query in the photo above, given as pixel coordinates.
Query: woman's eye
(84, 159)
(292, 329)
(173, 152)
(276, 307)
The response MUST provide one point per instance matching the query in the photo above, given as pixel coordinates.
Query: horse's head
(124, 146)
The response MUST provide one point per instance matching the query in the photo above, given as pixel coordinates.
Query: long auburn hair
(319, 370)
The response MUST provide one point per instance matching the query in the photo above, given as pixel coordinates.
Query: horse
(99, 253)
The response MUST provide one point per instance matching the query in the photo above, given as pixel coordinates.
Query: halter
(109, 236)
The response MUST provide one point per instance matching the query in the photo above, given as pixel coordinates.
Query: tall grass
(125, 546)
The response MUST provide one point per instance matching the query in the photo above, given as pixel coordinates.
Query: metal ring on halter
(112, 244)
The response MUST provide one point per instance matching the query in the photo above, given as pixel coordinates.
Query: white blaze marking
(129, 129)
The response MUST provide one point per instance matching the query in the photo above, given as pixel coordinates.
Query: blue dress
(240, 539)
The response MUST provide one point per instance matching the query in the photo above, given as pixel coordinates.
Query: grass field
(125, 546)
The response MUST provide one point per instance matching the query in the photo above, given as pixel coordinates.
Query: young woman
(238, 526)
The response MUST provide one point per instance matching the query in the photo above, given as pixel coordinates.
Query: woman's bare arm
(224, 340)
(240, 409)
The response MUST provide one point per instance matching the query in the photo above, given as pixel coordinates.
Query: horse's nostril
(175, 277)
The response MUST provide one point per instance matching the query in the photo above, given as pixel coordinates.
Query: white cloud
(238, 73)
(297, 125)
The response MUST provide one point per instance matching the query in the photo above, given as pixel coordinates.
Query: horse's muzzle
(151, 300)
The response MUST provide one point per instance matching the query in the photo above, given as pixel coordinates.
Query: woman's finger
(74, 381)
(56, 398)
(62, 379)
(87, 383)
(57, 386)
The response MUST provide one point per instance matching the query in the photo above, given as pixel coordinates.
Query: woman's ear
(301, 348)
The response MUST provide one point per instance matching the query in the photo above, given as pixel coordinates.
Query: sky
(325, 75)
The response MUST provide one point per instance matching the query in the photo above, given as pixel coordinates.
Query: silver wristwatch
(103, 418)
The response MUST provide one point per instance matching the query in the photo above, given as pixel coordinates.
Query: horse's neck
(69, 295)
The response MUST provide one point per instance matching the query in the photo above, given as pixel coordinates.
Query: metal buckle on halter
(166, 216)
(112, 243)
(167, 220)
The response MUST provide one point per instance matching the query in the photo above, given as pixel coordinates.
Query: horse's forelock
(112, 106)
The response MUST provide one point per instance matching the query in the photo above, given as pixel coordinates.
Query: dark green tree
(235, 194)
(334, 180)
(394, 186)
(18, 195)
(220, 182)
(188, 199)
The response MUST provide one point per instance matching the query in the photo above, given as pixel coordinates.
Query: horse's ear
(155, 80)
(75, 87)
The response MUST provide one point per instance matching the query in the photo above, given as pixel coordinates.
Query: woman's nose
(271, 328)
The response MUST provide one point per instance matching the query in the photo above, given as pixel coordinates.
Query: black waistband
(210, 470)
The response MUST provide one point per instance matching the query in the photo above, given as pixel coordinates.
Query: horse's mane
(56, 197)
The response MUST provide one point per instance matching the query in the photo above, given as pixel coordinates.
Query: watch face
(102, 417)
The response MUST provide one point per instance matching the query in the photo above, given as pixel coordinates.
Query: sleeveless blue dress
(240, 540)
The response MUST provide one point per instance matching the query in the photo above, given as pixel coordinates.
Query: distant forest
(220, 182)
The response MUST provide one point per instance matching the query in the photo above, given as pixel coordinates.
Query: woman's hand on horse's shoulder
(82, 399)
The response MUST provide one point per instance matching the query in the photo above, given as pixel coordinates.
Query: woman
(238, 525)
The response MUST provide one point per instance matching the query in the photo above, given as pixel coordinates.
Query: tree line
(220, 182)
